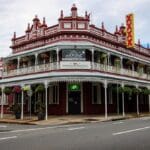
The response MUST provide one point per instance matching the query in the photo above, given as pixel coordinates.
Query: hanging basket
(136, 90)
(103, 56)
(16, 89)
(26, 88)
(40, 88)
(7, 90)
(25, 59)
(145, 91)
(129, 62)
(44, 56)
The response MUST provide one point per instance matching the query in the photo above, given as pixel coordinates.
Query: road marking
(37, 129)
(3, 126)
(78, 128)
(120, 122)
(129, 131)
(6, 138)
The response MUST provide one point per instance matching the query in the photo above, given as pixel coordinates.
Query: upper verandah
(39, 34)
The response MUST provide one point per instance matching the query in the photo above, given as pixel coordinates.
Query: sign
(74, 87)
(73, 55)
(130, 31)
(75, 65)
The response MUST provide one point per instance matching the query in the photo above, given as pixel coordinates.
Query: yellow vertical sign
(130, 31)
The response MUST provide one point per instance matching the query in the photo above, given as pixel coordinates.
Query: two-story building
(81, 66)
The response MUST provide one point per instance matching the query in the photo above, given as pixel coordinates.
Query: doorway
(74, 102)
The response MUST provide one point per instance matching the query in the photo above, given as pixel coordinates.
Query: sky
(16, 14)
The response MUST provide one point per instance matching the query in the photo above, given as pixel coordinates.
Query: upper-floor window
(81, 25)
(67, 25)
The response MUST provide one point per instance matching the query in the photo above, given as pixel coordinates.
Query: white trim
(82, 103)
(79, 43)
(70, 75)
(67, 97)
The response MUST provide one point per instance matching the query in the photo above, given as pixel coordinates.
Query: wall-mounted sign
(73, 87)
(73, 54)
(75, 65)
(130, 31)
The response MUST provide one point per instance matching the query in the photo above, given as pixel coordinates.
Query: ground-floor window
(96, 93)
(110, 96)
(53, 91)
(143, 99)
(5, 100)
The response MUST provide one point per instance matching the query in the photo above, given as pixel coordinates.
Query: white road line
(78, 128)
(118, 122)
(6, 138)
(3, 126)
(129, 131)
(36, 129)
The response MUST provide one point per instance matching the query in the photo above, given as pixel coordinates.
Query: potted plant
(40, 105)
(16, 109)
(40, 110)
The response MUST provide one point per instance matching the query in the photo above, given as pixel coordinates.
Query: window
(5, 100)
(110, 100)
(96, 94)
(67, 25)
(53, 94)
(81, 25)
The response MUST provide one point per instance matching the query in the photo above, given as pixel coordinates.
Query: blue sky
(15, 14)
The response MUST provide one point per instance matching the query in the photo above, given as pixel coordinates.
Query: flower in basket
(16, 89)
(7, 90)
(26, 88)
(44, 56)
(40, 88)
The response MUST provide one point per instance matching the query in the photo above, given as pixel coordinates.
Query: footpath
(68, 119)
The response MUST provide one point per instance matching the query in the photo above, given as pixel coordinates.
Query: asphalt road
(116, 135)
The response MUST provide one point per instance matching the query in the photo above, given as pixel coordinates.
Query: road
(113, 135)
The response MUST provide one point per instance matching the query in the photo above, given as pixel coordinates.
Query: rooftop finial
(74, 5)
(116, 28)
(139, 42)
(74, 11)
(61, 14)
(103, 27)
(28, 26)
(14, 35)
(86, 14)
(44, 22)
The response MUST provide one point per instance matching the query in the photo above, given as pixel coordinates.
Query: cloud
(16, 14)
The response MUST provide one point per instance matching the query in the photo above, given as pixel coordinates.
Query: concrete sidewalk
(68, 119)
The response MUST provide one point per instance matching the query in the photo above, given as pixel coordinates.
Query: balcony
(75, 65)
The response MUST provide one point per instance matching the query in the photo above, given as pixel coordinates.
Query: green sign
(74, 87)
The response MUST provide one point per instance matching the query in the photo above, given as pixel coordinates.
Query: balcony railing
(75, 65)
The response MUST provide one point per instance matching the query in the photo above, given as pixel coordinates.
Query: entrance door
(74, 102)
